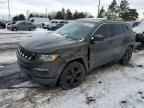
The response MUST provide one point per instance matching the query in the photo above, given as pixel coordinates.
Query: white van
(39, 21)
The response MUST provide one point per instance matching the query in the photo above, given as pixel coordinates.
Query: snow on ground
(15, 37)
(38, 30)
(8, 57)
(112, 86)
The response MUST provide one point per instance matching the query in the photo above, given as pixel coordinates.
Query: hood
(46, 43)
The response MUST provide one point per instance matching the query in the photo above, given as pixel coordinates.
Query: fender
(124, 49)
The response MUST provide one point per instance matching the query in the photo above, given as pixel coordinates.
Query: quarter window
(125, 27)
(22, 23)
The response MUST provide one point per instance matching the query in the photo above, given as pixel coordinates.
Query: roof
(92, 19)
(23, 21)
(100, 20)
(58, 20)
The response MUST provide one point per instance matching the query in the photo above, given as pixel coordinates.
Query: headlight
(51, 57)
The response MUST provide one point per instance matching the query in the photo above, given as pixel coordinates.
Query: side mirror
(97, 38)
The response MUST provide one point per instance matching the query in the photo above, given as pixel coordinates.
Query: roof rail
(113, 20)
(94, 19)
(100, 19)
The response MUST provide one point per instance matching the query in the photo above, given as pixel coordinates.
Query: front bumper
(46, 73)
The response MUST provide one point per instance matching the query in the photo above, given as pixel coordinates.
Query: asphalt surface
(10, 75)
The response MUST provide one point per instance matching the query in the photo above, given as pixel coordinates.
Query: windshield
(76, 30)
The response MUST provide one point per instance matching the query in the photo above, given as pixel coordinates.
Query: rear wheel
(14, 29)
(127, 56)
(72, 76)
(32, 29)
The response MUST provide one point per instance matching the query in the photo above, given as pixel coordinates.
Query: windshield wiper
(70, 37)
(66, 36)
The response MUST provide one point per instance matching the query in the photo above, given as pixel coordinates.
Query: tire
(127, 56)
(14, 29)
(32, 29)
(72, 76)
(1, 27)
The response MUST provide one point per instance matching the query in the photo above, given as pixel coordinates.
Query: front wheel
(127, 56)
(72, 76)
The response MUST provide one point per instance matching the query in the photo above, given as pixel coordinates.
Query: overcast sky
(20, 6)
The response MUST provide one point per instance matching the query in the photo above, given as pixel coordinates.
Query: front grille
(26, 54)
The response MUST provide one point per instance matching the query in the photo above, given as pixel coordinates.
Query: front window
(104, 30)
(76, 30)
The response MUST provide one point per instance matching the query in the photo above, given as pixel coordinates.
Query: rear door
(21, 26)
(101, 51)
(28, 26)
(119, 36)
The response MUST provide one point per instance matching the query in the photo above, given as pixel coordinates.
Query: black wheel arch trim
(77, 59)
(124, 49)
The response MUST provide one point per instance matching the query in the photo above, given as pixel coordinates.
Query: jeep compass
(66, 55)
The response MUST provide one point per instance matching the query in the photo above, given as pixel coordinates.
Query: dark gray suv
(65, 56)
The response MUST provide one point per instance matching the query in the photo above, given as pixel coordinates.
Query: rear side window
(125, 27)
(104, 30)
(118, 29)
(29, 23)
(22, 23)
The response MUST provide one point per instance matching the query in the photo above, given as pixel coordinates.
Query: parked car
(21, 25)
(45, 25)
(65, 56)
(56, 24)
(138, 28)
(2, 25)
(134, 23)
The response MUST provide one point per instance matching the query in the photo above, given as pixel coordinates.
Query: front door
(101, 51)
